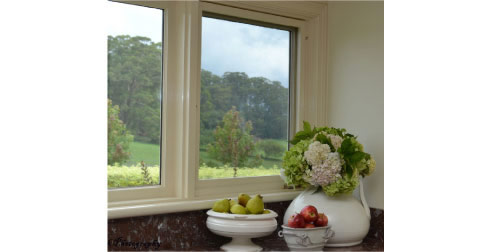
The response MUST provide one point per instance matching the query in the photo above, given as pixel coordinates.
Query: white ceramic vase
(347, 216)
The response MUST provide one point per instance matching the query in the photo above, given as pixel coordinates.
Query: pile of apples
(244, 205)
(308, 218)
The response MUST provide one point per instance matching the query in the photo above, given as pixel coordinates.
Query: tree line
(134, 85)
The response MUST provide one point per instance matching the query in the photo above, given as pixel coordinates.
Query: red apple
(310, 225)
(322, 220)
(296, 221)
(310, 213)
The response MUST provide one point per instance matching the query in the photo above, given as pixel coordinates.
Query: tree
(233, 144)
(263, 102)
(272, 148)
(134, 84)
(119, 138)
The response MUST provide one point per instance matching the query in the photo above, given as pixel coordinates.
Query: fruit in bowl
(310, 213)
(238, 209)
(310, 225)
(308, 218)
(322, 220)
(221, 206)
(307, 230)
(243, 199)
(242, 223)
(296, 221)
(244, 205)
(256, 205)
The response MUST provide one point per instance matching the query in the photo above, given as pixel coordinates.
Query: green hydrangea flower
(295, 165)
(354, 160)
(344, 185)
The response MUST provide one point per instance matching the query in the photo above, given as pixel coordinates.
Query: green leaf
(301, 135)
(357, 157)
(330, 144)
(307, 126)
(347, 147)
(322, 138)
(349, 171)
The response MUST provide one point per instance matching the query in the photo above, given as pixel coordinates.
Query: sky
(127, 19)
(226, 46)
(237, 47)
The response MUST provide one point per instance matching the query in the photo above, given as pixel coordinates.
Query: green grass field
(149, 153)
(130, 173)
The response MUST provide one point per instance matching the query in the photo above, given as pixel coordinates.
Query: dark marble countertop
(188, 231)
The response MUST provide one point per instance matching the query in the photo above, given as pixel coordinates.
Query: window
(134, 95)
(178, 93)
(244, 101)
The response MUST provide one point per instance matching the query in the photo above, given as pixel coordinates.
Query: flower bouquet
(328, 158)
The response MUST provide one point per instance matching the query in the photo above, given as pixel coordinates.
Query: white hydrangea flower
(325, 173)
(316, 153)
(336, 140)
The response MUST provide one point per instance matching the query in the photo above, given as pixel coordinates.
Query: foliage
(342, 186)
(259, 100)
(354, 161)
(233, 142)
(124, 176)
(228, 172)
(272, 148)
(295, 165)
(119, 138)
(134, 83)
(308, 133)
(206, 137)
(145, 173)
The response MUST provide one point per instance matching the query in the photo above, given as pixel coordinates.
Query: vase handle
(363, 199)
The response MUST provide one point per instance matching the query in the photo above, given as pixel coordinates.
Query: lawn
(130, 173)
(149, 153)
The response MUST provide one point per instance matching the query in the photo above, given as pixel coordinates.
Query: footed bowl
(241, 228)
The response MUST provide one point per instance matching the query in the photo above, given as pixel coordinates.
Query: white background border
(437, 125)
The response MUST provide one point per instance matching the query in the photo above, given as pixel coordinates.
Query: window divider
(181, 89)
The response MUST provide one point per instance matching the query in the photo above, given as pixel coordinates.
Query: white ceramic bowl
(312, 239)
(241, 228)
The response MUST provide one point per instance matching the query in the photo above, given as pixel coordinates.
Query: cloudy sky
(236, 47)
(226, 46)
(127, 19)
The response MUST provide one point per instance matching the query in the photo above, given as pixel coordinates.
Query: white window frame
(181, 190)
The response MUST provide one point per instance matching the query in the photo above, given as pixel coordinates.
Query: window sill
(170, 205)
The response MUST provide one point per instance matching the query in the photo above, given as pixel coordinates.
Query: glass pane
(244, 113)
(134, 95)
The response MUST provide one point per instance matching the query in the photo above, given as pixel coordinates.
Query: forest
(134, 93)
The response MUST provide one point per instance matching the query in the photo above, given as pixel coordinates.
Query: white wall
(355, 90)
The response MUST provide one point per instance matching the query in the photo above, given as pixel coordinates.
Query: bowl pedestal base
(241, 244)
(348, 244)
